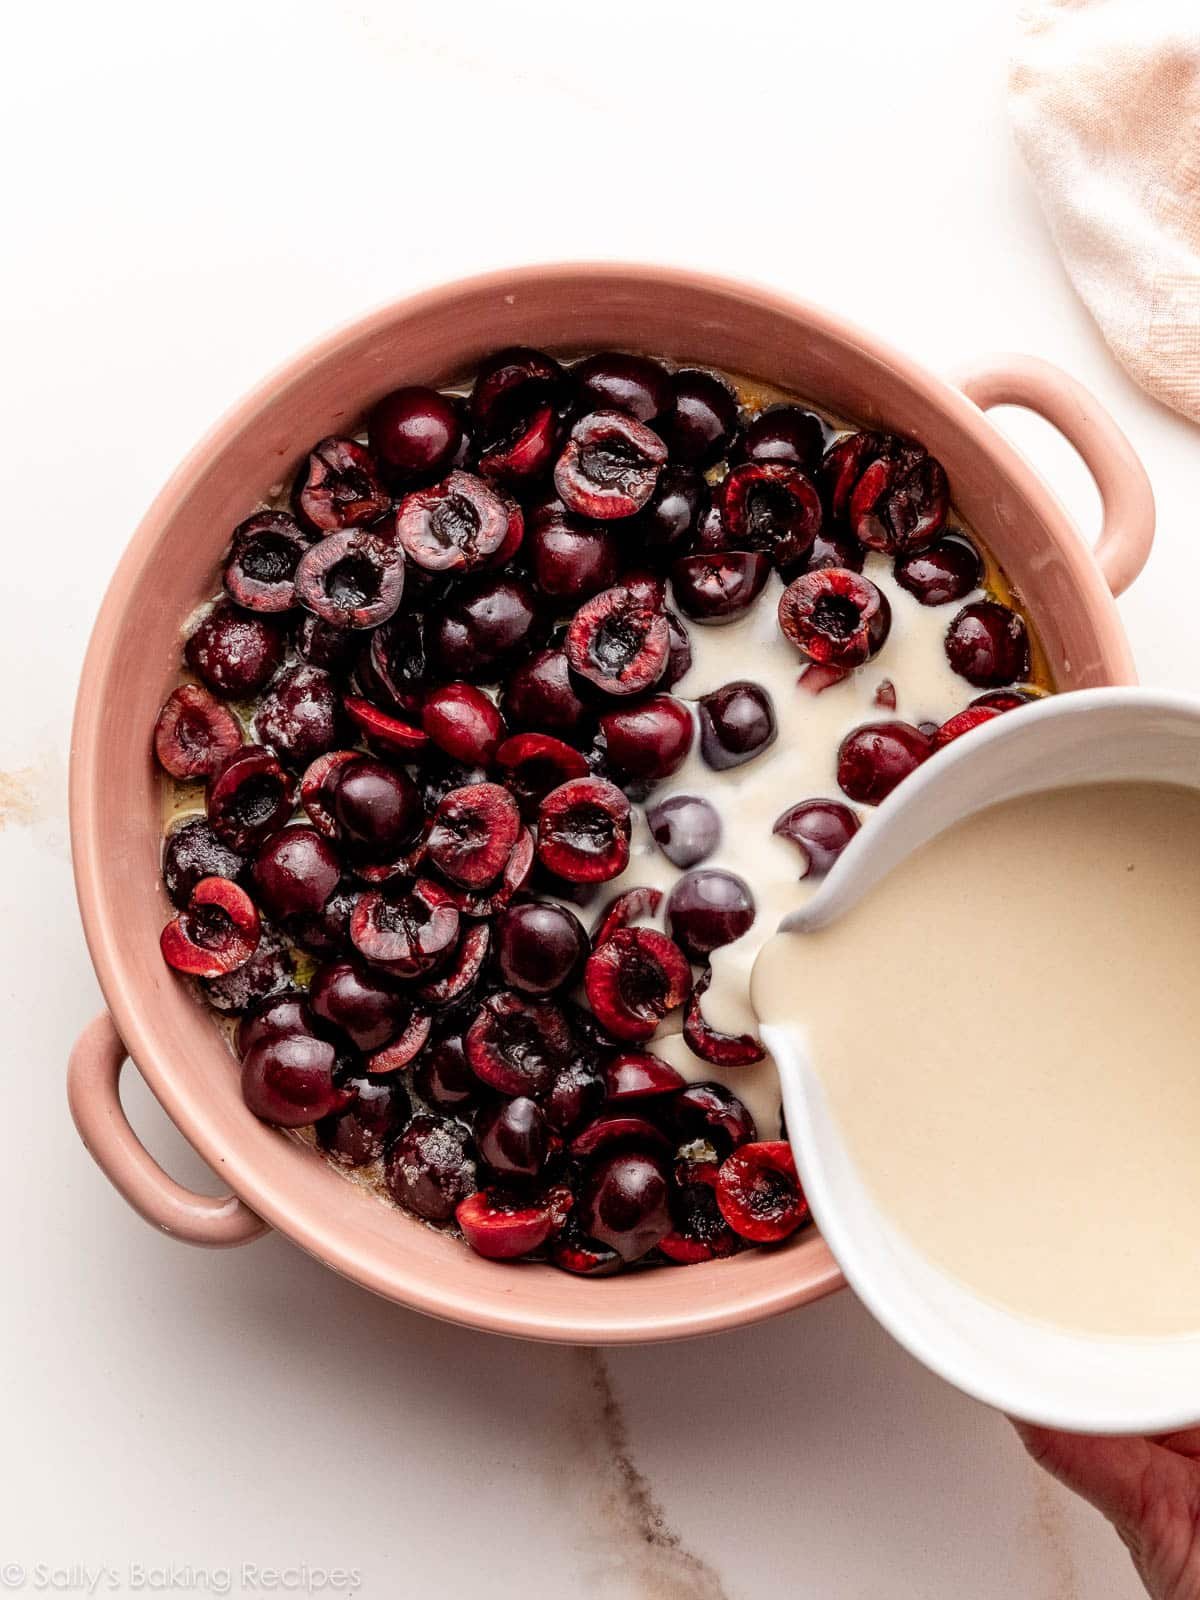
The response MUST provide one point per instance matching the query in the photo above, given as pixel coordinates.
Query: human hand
(1149, 1489)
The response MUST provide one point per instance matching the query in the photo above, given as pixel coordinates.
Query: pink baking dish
(169, 568)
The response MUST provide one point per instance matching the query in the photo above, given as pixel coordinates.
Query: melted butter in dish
(1006, 1029)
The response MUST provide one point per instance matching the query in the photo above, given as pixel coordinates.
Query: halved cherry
(260, 570)
(504, 1226)
(773, 507)
(249, 796)
(819, 676)
(610, 465)
(473, 834)
(618, 1128)
(719, 586)
(523, 451)
(635, 978)
(585, 1258)
(460, 976)
(700, 1232)
(531, 764)
(721, 1049)
(583, 831)
(512, 383)
(639, 1075)
(619, 641)
(820, 830)
(1006, 699)
(629, 906)
(194, 733)
(404, 1049)
(317, 788)
(713, 1115)
(288, 1080)
(217, 932)
(835, 616)
(338, 487)
(890, 491)
(486, 902)
(351, 579)
(517, 1044)
(406, 928)
(759, 1192)
(455, 526)
(383, 732)
(463, 722)
(972, 717)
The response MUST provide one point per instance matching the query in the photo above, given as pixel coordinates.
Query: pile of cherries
(457, 654)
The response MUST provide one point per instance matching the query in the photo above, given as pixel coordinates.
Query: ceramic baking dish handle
(1127, 530)
(93, 1074)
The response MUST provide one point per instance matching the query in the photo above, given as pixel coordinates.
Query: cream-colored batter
(1008, 1030)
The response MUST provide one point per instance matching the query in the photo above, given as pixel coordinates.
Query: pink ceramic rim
(744, 1301)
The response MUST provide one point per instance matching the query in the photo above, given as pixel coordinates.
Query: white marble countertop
(192, 192)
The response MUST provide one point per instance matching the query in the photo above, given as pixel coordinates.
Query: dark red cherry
(679, 652)
(457, 979)
(836, 617)
(531, 764)
(473, 834)
(351, 580)
(513, 1138)
(392, 669)
(294, 872)
(571, 557)
(338, 487)
(584, 830)
(463, 722)
(625, 1203)
(575, 1096)
(833, 547)
(759, 1192)
(273, 1018)
(540, 947)
(686, 828)
(705, 1041)
(719, 587)
(235, 653)
(955, 727)
(260, 570)
(700, 1232)
(517, 1044)
(443, 1076)
(873, 759)
(631, 905)
(414, 432)
(648, 740)
(288, 1080)
(1006, 699)
(407, 928)
(666, 524)
(524, 451)
(192, 851)
(622, 1129)
(636, 978)
(375, 808)
(619, 640)
(609, 467)
(639, 1075)
(458, 525)
(708, 908)
(511, 384)
(705, 418)
(987, 644)
(486, 626)
(322, 645)
(194, 733)
(360, 1134)
(299, 716)
(540, 697)
(785, 435)
(216, 932)
(269, 971)
(390, 736)
(358, 1003)
(249, 796)
(613, 381)
(890, 493)
(774, 508)
(430, 1168)
(713, 1114)
(820, 830)
(737, 723)
(504, 1226)
(944, 571)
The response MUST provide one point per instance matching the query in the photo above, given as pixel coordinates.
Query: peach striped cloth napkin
(1105, 101)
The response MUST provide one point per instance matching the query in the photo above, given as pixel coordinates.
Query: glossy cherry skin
(947, 570)
(686, 828)
(414, 432)
(512, 1137)
(737, 723)
(613, 381)
(705, 418)
(988, 645)
(873, 759)
(649, 740)
(625, 1203)
(358, 1004)
(540, 947)
(294, 872)
(784, 433)
(708, 908)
